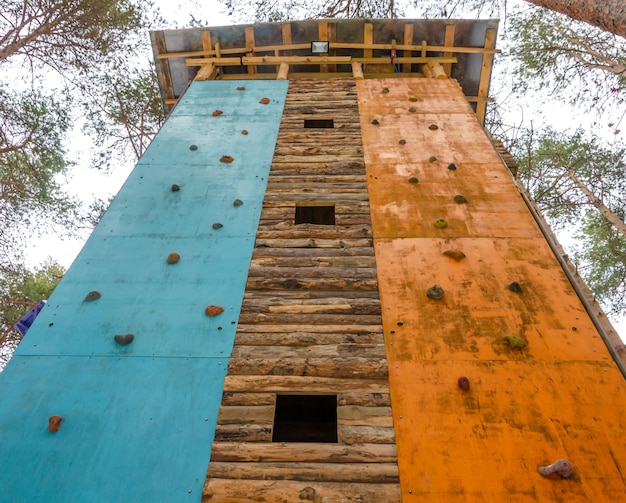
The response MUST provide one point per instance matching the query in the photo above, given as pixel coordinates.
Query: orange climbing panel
(561, 396)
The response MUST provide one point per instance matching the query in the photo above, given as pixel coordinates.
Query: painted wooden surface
(138, 420)
(310, 324)
(560, 397)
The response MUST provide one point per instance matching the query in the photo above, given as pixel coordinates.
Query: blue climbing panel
(139, 420)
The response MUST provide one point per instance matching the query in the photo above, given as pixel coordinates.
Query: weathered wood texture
(310, 323)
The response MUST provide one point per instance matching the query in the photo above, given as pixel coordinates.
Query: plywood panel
(561, 396)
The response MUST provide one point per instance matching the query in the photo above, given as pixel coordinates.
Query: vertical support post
(408, 40)
(448, 42)
(485, 75)
(249, 35)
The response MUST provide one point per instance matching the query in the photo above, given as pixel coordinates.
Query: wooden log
(311, 284)
(307, 261)
(306, 273)
(272, 491)
(283, 328)
(246, 414)
(314, 367)
(243, 433)
(303, 452)
(305, 339)
(311, 231)
(437, 70)
(286, 384)
(364, 399)
(283, 71)
(234, 398)
(311, 296)
(374, 351)
(206, 72)
(378, 473)
(265, 251)
(317, 318)
(364, 416)
(349, 434)
(313, 243)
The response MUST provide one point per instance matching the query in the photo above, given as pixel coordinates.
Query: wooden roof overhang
(363, 48)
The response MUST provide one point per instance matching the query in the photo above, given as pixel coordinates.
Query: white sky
(88, 183)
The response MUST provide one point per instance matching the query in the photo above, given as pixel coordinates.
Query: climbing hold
(402, 142)
(412, 110)
(124, 339)
(240, 88)
(217, 225)
(244, 132)
(173, 258)
(264, 101)
(193, 147)
(213, 310)
(561, 467)
(309, 494)
(435, 292)
(432, 158)
(91, 296)
(217, 113)
(441, 223)
(463, 383)
(433, 127)
(237, 202)
(459, 199)
(375, 122)
(452, 166)
(226, 158)
(385, 89)
(54, 423)
(413, 179)
(175, 187)
(515, 287)
(515, 342)
(412, 98)
(455, 254)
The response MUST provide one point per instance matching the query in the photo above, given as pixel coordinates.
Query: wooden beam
(437, 70)
(249, 36)
(168, 86)
(448, 42)
(322, 33)
(408, 40)
(206, 72)
(485, 75)
(357, 70)
(283, 71)
(368, 40)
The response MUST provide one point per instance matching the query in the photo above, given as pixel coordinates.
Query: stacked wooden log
(310, 324)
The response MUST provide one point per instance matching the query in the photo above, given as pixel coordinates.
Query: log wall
(310, 323)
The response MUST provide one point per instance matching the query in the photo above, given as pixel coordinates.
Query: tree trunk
(611, 217)
(610, 15)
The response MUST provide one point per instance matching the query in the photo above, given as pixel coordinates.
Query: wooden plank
(303, 452)
(368, 39)
(306, 328)
(311, 284)
(374, 351)
(408, 40)
(358, 368)
(305, 338)
(448, 41)
(246, 414)
(373, 473)
(249, 399)
(349, 434)
(364, 416)
(283, 384)
(243, 433)
(166, 75)
(364, 399)
(259, 491)
(249, 38)
(273, 60)
(485, 75)
(322, 33)
(206, 72)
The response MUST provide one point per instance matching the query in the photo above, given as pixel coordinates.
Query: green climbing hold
(413, 179)
(515, 342)
(433, 127)
(402, 142)
(193, 147)
(441, 223)
(412, 110)
(459, 199)
(217, 225)
(452, 166)
(237, 202)
(435, 292)
(375, 122)
(432, 158)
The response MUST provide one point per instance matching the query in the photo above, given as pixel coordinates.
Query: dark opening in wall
(319, 123)
(305, 418)
(310, 213)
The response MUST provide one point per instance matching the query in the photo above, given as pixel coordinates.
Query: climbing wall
(132, 348)
(536, 381)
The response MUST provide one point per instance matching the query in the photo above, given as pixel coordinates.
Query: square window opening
(320, 214)
(305, 418)
(319, 123)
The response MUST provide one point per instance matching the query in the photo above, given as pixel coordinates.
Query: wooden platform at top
(461, 49)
